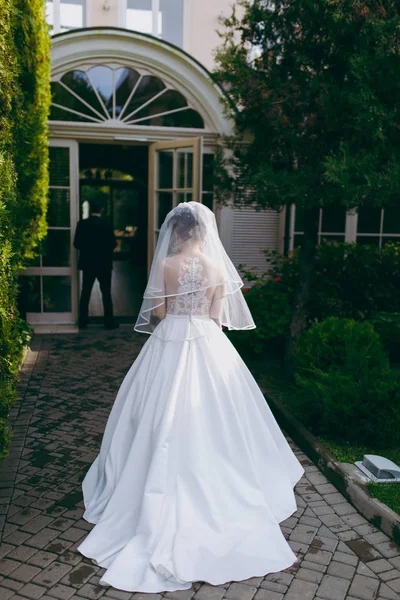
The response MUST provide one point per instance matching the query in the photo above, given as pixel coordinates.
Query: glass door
(175, 169)
(49, 285)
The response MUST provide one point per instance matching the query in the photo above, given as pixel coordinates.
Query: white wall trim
(120, 133)
(181, 71)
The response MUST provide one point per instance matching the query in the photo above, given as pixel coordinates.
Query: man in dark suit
(95, 240)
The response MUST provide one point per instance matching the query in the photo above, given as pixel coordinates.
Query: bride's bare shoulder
(172, 264)
(177, 260)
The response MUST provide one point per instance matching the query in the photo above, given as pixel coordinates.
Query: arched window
(102, 93)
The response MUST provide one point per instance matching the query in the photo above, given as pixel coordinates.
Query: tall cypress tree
(24, 108)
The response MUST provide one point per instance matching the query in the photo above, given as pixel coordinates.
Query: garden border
(372, 509)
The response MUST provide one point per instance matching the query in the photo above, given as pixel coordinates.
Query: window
(99, 93)
(161, 18)
(378, 225)
(332, 225)
(63, 15)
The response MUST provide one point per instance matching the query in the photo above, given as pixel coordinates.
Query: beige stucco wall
(96, 16)
(202, 26)
(200, 23)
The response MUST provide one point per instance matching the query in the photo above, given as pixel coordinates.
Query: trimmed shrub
(346, 388)
(24, 61)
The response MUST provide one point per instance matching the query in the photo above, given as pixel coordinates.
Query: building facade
(136, 114)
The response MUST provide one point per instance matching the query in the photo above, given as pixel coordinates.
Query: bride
(193, 475)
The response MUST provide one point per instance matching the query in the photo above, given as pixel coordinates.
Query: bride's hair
(185, 226)
(184, 223)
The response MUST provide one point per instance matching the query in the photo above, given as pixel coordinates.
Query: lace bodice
(191, 298)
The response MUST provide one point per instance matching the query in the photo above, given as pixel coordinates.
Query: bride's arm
(218, 301)
(159, 309)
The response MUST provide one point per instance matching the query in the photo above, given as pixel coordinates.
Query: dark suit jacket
(95, 240)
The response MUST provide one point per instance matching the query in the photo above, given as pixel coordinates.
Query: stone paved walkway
(69, 383)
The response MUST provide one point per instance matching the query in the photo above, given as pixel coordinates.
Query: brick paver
(68, 385)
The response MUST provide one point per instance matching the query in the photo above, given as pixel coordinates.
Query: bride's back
(190, 282)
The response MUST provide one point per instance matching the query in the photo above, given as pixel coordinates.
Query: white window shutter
(252, 232)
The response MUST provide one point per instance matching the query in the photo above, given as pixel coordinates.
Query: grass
(388, 493)
(350, 453)
(270, 375)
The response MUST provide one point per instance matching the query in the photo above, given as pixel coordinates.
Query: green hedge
(349, 281)
(346, 389)
(24, 106)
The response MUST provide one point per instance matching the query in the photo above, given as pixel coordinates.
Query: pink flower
(277, 278)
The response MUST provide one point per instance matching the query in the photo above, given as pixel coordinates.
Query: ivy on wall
(24, 108)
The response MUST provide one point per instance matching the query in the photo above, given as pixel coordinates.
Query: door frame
(196, 145)
(200, 144)
(67, 318)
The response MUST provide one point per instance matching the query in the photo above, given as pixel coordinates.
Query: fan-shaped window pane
(69, 107)
(125, 81)
(123, 94)
(148, 87)
(102, 79)
(170, 100)
(62, 114)
(78, 82)
(184, 118)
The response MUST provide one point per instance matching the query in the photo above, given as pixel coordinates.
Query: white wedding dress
(193, 475)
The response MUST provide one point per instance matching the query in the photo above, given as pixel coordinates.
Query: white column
(351, 226)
